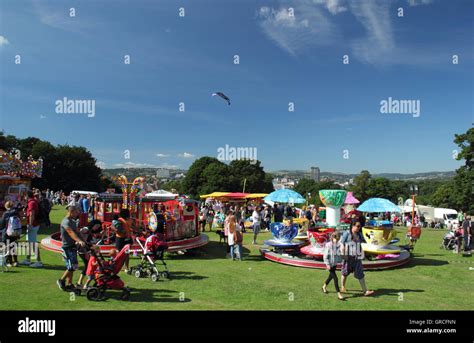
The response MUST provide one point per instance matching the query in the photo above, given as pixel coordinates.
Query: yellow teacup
(378, 235)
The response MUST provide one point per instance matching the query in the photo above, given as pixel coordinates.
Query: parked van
(447, 216)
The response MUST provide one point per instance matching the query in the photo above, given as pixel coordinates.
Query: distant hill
(342, 177)
(132, 173)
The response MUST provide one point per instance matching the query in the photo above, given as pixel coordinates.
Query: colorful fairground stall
(16, 176)
(181, 216)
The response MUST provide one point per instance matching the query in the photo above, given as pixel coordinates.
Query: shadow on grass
(10, 271)
(186, 276)
(156, 295)
(212, 250)
(382, 292)
(428, 262)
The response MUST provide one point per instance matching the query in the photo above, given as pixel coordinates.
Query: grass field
(435, 279)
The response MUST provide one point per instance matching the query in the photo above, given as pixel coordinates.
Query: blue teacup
(284, 233)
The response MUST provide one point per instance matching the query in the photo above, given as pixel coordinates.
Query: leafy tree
(306, 186)
(64, 167)
(216, 178)
(463, 182)
(253, 175)
(173, 184)
(443, 196)
(361, 185)
(381, 187)
(194, 178)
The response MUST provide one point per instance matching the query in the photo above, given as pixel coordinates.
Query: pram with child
(451, 239)
(103, 274)
(153, 248)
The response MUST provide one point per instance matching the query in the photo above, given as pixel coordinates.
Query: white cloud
(186, 155)
(162, 155)
(3, 41)
(313, 25)
(333, 6)
(379, 41)
(308, 27)
(101, 164)
(59, 17)
(419, 2)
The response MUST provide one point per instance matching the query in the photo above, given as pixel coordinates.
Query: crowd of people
(37, 207)
(342, 247)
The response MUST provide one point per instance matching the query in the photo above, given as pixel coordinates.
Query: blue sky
(283, 59)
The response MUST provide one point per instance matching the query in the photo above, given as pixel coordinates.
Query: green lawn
(434, 280)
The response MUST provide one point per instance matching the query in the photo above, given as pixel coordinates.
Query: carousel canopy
(214, 195)
(161, 193)
(236, 195)
(256, 195)
(285, 196)
(378, 205)
(351, 199)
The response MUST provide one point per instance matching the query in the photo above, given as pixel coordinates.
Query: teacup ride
(302, 230)
(333, 199)
(310, 256)
(318, 237)
(283, 235)
(379, 239)
(302, 234)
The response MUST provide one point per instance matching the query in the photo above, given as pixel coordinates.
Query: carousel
(181, 217)
(379, 248)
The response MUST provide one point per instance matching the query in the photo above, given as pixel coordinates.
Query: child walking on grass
(332, 256)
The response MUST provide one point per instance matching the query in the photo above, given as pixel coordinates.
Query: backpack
(14, 226)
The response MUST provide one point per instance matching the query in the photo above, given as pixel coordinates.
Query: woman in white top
(230, 223)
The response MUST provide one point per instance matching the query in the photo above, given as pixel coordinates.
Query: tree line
(65, 167)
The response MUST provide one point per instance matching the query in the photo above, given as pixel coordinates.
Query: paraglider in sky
(222, 95)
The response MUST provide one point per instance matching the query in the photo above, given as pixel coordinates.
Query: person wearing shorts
(124, 235)
(32, 227)
(70, 241)
(352, 263)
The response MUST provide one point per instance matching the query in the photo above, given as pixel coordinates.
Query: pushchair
(153, 249)
(451, 239)
(105, 275)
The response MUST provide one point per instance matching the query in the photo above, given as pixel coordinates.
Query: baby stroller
(105, 275)
(449, 240)
(153, 249)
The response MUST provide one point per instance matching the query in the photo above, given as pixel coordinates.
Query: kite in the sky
(223, 96)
